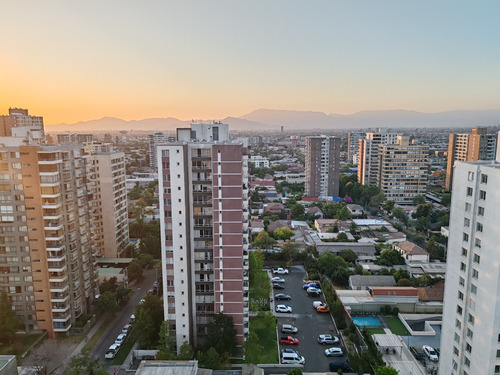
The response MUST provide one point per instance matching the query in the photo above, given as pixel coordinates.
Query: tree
(342, 237)
(446, 199)
(404, 282)
(253, 349)
(209, 359)
(256, 262)
(166, 343)
(343, 213)
(390, 258)
(108, 285)
(295, 371)
(377, 199)
(85, 364)
(135, 270)
(152, 245)
(148, 320)
(264, 240)
(401, 274)
(289, 251)
(385, 370)
(186, 352)
(221, 334)
(297, 210)
(106, 303)
(283, 233)
(348, 255)
(399, 214)
(388, 206)
(418, 199)
(9, 321)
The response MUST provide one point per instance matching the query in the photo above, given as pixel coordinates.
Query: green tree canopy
(388, 206)
(343, 213)
(85, 364)
(253, 349)
(390, 258)
(186, 352)
(263, 240)
(107, 303)
(221, 334)
(297, 210)
(283, 233)
(385, 370)
(348, 255)
(9, 321)
(166, 342)
(399, 214)
(148, 320)
(210, 359)
(135, 270)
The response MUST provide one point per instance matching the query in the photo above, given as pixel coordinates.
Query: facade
(353, 146)
(402, 173)
(259, 161)
(19, 118)
(469, 147)
(204, 226)
(75, 138)
(368, 161)
(322, 166)
(154, 140)
(108, 208)
(470, 335)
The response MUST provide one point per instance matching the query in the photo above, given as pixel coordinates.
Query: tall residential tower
(322, 166)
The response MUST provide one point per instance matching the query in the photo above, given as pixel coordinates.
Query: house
(278, 224)
(316, 211)
(322, 225)
(432, 293)
(360, 249)
(356, 210)
(365, 282)
(433, 269)
(256, 226)
(411, 252)
(273, 208)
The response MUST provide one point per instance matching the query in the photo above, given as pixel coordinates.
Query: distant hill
(271, 119)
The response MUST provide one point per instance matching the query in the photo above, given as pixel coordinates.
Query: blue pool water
(366, 321)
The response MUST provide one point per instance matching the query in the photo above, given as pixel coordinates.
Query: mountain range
(271, 119)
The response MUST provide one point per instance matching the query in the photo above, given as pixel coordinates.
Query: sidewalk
(89, 336)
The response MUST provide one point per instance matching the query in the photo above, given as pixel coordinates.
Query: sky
(72, 61)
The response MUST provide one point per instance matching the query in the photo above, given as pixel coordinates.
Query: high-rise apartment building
(322, 167)
(469, 147)
(75, 138)
(402, 173)
(204, 227)
(153, 141)
(19, 118)
(106, 181)
(46, 260)
(470, 334)
(368, 155)
(353, 145)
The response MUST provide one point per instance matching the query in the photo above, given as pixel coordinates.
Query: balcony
(58, 278)
(59, 288)
(60, 307)
(53, 225)
(59, 297)
(58, 268)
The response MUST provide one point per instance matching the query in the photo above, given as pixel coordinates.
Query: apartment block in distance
(204, 226)
(368, 162)
(19, 118)
(478, 145)
(153, 141)
(46, 260)
(322, 167)
(353, 145)
(402, 173)
(470, 334)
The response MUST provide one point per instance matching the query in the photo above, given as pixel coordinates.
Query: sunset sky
(73, 61)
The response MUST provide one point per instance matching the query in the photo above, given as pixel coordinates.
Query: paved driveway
(308, 321)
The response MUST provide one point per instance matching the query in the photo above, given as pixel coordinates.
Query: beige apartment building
(402, 173)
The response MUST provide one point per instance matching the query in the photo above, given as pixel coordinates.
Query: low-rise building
(365, 282)
(411, 252)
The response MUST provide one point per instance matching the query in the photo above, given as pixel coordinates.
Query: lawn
(20, 344)
(396, 326)
(374, 331)
(265, 328)
(259, 292)
(122, 354)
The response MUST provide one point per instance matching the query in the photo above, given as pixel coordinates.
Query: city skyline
(78, 62)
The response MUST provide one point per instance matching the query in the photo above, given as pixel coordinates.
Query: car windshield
(432, 352)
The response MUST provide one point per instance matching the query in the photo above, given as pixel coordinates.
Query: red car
(289, 340)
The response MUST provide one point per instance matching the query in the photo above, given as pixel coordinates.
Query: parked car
(289, 340)
(282, 296)
(278, 279)
(288, 328)
(334, 352)
(430, 353)
(278, 286)
(335, 366)
(280, 271)
(323, 309)
(288, 350)
(126, 329)
(312, 285)
(313, 292)
(132, 318)
(112, 350)
(283, 309)
(121, 338)
(292, 358)
(316, 304)
(328, 339)
(417, 352)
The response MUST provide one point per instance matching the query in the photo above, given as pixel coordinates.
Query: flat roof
(167, 368)
(110, 271)
(115, 260)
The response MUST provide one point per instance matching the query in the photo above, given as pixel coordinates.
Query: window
(475, 273)
(479, 227)
(461, 281)
(467, 362)
(470, 334)
(467, 207)
(465, 237)
(497, 369)
(468, 347)
(484, 178)
(460, 296)
(470, 176)
(480, 211)
(469, 192)
(455, 350)
(477, 242)
(477, 258)
(459, 311)
(471, 319)
(464, 252)
(458, 324)
(462, 267)
(482, 195)
(466, 222)
(473, 289)
(457, 338)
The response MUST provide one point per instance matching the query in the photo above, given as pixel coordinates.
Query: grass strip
(396, 326)
(97, 336)
(125, 349)
(267, 337)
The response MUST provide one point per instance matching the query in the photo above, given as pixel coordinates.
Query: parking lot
(309, 322)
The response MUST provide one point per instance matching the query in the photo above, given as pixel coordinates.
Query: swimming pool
(366, 321)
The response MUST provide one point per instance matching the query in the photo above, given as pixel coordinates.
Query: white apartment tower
(368, 155)
(322, 167)
(470, 336)
(153, 141)
(204, 227)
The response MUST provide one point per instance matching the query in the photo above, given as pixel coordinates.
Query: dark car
(335, 366)
(278, 286)
(282, 296)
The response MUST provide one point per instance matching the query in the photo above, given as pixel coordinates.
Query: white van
(292, 358)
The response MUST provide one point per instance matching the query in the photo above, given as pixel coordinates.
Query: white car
(278, 279)
(430, 353)
(111, 353)
(120, 339)
(328, 339)
(283, 309)
(334, 352)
